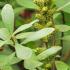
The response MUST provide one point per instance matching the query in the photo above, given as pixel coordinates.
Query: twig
(62, 34)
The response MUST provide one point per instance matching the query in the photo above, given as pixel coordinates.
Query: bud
(38, 26)
(45, 39)
(38, 15)
(49, 24)
(39, 1)
(48, 65)
(39, 49)
(51, 11)
(44, 9)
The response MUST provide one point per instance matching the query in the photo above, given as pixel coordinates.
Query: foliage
(42, 44)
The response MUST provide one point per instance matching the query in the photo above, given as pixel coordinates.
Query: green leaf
(38, 35)
(4, 34)
(25, 26)
(23, 35)
(23, 52)
(48, 52)
(6, 42)
(3, 60)
(2, 43)
(67, 38)
(32, 63)
(61, 65)
(27, 4)
(8, 59)
(15, 60)
(62, 28)
(7, 14)
(18, 10)
(2, 3)
(12, 59)
(57, 18)
(63, 5)
(1, 24)
(6, 68)
(67, 18)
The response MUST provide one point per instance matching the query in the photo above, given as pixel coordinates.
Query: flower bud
(48, 65)
(38, 26)
(51, 11)
(44, 9)
(39, 1)
(40, 49)
(45, 39)
(49, 24)
(38, 15)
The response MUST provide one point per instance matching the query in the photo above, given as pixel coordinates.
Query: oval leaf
(25, 26)
(48, 52)
(7, 59)
(32, 63)
(2, 43)
(38, 35)
(61, 65)
(23, 35)
(4, 34)
(62, 28)
(23, 52)
(7, 14)
(63, 5)
(8, 67)
(27, 4)
(67, 38)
